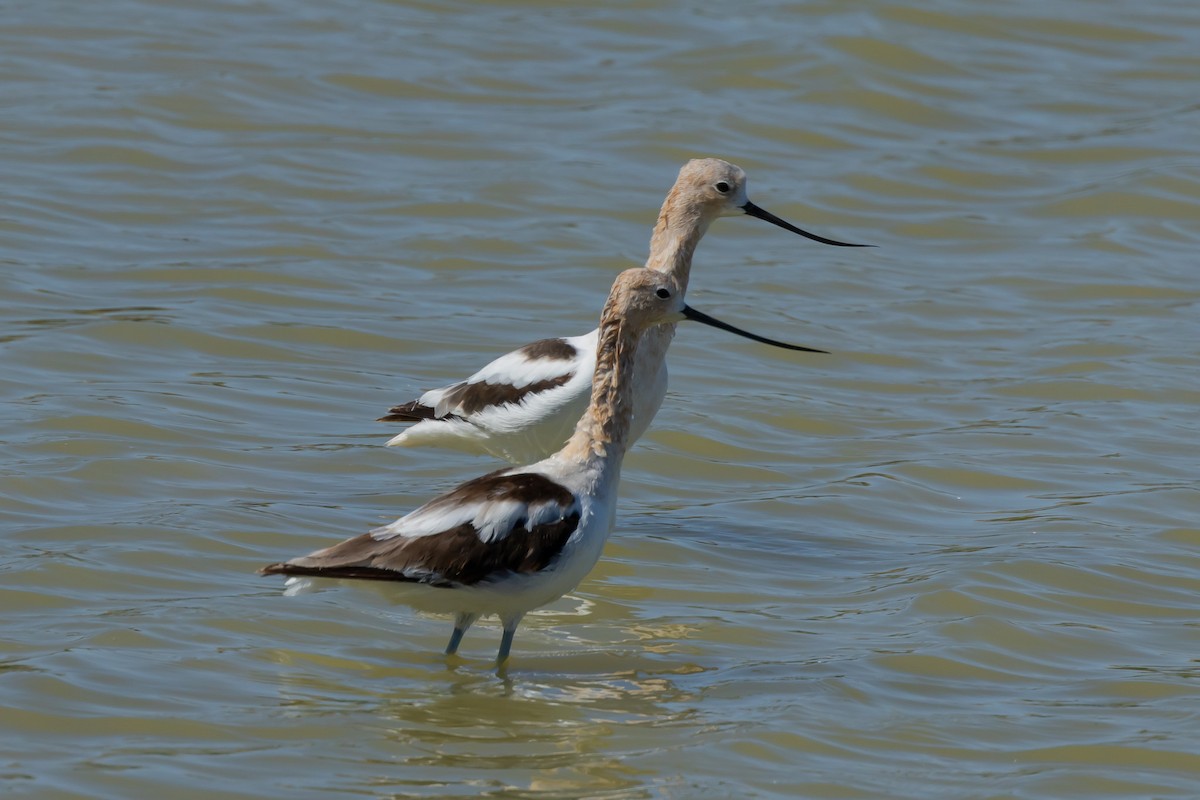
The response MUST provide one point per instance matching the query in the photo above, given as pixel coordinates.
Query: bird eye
(722, 187)
(663, 292)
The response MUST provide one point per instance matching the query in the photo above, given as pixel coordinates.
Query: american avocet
(519, 538)
(522, 406)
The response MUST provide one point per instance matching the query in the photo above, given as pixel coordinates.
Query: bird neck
(603, 430)
(676, 234)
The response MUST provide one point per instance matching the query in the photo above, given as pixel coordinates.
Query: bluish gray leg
(510, 629)
(461, 623)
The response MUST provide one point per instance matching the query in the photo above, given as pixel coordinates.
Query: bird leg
(461, 622)
(510, 629)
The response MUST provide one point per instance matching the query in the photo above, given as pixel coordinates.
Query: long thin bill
(700, 316)
(767, 216)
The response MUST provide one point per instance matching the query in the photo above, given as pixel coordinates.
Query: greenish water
(956, 559)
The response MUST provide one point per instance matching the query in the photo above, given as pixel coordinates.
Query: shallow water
(956, 558)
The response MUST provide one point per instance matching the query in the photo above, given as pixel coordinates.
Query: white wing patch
(431, 518)
(496, 519)
(518, 370)
(543, 513)
(436, 399)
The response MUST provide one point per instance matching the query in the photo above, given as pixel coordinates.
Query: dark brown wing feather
(413, 411)
(470, 398)
(473, 397)
(556, 349)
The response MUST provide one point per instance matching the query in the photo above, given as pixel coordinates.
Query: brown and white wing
(511, 378)
(485, 529)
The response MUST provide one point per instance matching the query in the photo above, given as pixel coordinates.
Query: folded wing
(509, 379)
(490, 527)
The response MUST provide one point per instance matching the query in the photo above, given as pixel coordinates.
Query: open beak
(755, 211)
(700, 316)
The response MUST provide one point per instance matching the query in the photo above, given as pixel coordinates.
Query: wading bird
(519, 538)
(523, 405)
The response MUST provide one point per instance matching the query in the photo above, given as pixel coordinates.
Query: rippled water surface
(958, 558)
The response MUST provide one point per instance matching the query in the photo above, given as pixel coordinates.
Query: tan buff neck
(680, 227)
(604, 427)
